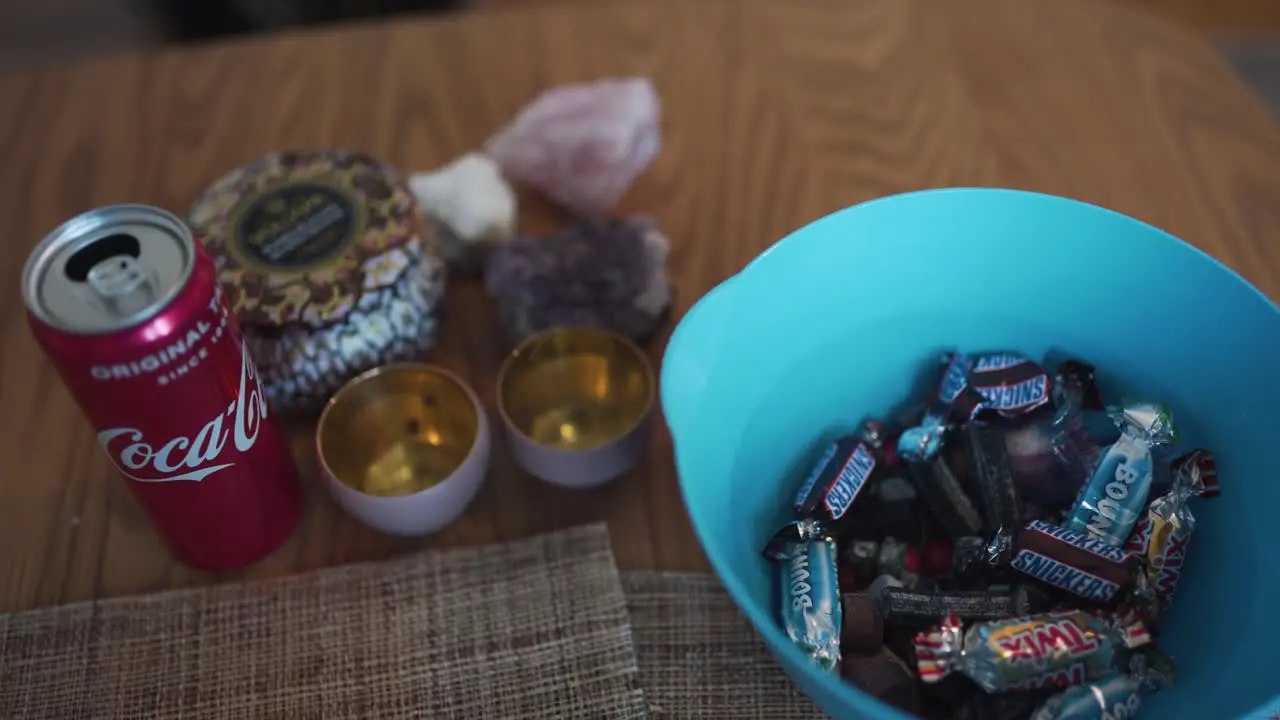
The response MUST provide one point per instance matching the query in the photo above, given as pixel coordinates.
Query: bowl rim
(641, 418)
(363, 377)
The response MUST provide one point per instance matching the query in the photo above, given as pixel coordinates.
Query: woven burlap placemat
(700, 658)
(531, 629)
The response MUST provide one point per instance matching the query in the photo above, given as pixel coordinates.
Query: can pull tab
(115, 276)
(122, 285)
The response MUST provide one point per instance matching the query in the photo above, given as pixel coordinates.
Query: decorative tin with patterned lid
(328, 263)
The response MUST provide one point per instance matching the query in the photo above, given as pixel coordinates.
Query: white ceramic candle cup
(404, 448)
(577, 405)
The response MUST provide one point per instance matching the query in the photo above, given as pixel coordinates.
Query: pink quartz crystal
(582, 145)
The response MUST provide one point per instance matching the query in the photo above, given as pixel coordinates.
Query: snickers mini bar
(836, 480)
(1053, 650)
(1073, 561)
(808, 590)
(1004, 384)
(997, 384)
(1111, 502)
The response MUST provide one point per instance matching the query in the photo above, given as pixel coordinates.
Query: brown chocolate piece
(901, 641)
(863, 630)
(886, 676)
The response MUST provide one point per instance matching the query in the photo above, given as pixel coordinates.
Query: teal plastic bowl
(834, 323)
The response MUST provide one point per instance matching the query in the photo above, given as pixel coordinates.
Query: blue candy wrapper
(1115, 696)
(1111, 503)
(976, 387)
(921, 443)
(809, 592)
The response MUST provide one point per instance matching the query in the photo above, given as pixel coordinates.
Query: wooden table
(776, 113)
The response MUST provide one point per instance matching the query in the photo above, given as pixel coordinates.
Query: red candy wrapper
(935, 558)
(1163, 535)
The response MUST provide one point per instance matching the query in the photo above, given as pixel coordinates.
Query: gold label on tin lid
(296, 226)
(300, 238)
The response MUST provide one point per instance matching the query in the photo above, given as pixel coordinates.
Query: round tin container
(577, 403)
(404, 448)
(329, 265)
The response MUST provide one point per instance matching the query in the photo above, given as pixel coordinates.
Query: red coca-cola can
(128, 308)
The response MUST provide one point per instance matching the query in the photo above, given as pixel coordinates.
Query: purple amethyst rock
(602, 273)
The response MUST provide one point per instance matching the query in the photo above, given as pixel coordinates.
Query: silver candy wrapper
(328, 263)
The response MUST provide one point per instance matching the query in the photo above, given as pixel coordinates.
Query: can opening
(104, 248)
(109, 269)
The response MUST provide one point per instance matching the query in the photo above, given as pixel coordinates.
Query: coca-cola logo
(192, 458)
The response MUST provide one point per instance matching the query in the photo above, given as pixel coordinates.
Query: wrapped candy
(886, 676)
(1111, 503)
(1056, 649)
(608, 274)
(582, 145)
(1113, 696)
(1164, 533)
(809, 592)
(976, 387)
(1118, 695)
(923, 442)
(472, 204)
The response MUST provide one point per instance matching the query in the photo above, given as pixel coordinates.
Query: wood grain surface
(775, 114)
